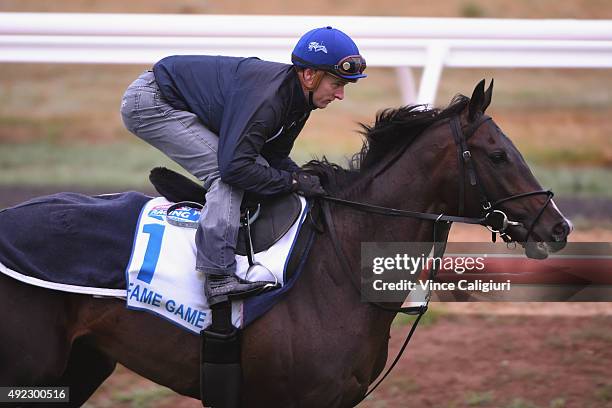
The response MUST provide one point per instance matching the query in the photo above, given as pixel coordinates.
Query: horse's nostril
(561, 231)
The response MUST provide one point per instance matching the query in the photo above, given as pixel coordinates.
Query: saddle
(270, 216)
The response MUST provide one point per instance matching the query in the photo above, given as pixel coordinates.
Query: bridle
(492, 217)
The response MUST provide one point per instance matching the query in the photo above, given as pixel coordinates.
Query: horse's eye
(498, 157)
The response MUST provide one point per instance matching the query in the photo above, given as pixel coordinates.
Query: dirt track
(464, 361)
(495, 361)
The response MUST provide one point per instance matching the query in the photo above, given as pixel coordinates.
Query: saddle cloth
(161, 275)
(82, 244)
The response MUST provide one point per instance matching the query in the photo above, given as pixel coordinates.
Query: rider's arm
(276, 151)
(285, 163)
(237, 160)
(279, 159)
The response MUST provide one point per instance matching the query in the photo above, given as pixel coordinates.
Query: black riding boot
(221, 288)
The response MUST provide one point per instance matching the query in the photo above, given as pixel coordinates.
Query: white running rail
(399, 42)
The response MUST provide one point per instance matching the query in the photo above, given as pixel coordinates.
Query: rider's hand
(307, 184)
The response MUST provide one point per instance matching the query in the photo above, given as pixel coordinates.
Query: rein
(493, 218)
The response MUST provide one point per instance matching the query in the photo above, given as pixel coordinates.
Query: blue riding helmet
(329, 49)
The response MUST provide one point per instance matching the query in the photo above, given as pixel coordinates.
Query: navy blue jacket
(256, 107)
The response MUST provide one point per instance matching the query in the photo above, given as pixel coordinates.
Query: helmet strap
(318, 76)
(316, 80)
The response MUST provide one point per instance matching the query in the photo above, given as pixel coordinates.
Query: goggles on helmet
(351, 65)
(346, 67)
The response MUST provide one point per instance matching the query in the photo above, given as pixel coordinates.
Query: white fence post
(406, 85)
(431, 74)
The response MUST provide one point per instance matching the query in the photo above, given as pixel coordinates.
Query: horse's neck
(416, 182)
(327, 300)
(419, 180)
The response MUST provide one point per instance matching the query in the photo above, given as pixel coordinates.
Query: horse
(321, 345)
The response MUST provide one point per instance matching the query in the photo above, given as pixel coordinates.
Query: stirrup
(258, 267)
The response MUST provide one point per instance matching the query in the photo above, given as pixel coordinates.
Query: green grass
(119, 164)
(579, 181)
(122, 164)
(479, 399)
(133, 396)
(576, 155)
(604, 393)
(520, 403)
(143, 397)
(126, 164)
(599, 334)
(557, 403)
(44, 163)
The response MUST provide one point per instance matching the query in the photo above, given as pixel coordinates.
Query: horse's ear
(488, 96)
(477, 101)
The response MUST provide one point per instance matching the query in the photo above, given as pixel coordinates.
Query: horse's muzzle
(562, 230)
(560, 233)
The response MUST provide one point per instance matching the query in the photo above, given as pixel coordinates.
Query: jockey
(231, 122)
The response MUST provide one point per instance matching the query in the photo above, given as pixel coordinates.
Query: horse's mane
(393, 131)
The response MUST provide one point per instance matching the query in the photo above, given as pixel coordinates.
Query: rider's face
(330, 88)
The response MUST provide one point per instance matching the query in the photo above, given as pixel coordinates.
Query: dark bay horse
(321, 346)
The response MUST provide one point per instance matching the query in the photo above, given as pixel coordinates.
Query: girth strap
(220, 370)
